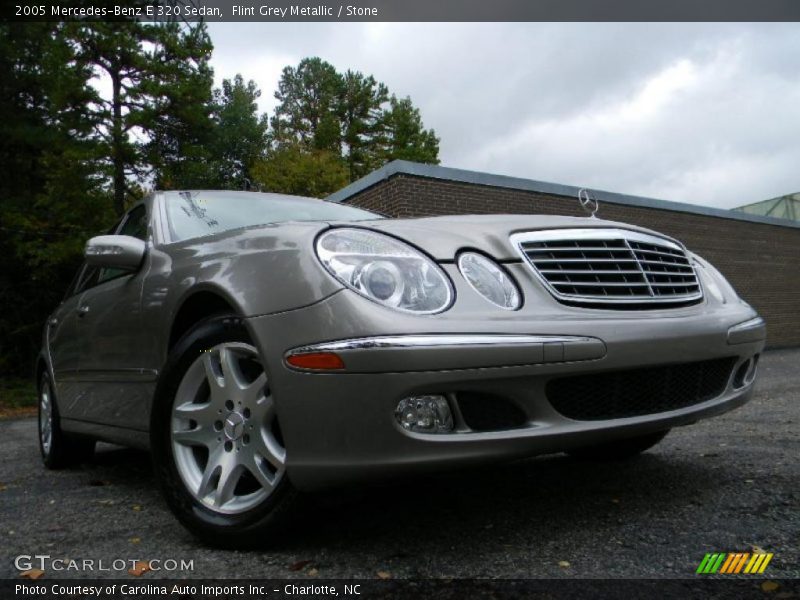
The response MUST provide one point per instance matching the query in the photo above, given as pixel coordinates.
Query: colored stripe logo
(733, 563)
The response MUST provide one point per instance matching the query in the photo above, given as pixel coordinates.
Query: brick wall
(762, 261)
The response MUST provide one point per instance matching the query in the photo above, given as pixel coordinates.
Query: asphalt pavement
(729, 484)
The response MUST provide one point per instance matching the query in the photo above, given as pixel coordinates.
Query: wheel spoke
(230, 370)
(264, 411)
(263, 478)
(230, 473)
(212, 468)
(267, 447)
(254, 390)
(204, 414)
(199, 436)
(215, 383)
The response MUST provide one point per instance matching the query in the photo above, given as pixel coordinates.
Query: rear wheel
(619, 449)
(218, 450)
(58, 449)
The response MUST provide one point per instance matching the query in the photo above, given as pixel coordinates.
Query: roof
(783, 207)
(402, 167)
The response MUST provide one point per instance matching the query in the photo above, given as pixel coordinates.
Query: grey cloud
(702, 113)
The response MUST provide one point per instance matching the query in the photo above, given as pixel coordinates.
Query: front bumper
(339, 426)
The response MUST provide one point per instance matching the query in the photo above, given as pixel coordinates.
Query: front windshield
(195, 214)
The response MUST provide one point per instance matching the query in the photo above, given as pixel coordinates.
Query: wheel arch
(197, 305)
(39, 368)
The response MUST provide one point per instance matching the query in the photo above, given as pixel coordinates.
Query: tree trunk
(117, 144)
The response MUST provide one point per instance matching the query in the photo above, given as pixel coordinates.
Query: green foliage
(349, 114)
(180, 121)
(240, 135)
(52, 197)
(161, 90)
(309, 98)
(404, 136)
(291, 169)
(17, 395)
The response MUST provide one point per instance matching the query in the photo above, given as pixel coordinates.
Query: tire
(58, 449)
(217, 450)
(619, 449)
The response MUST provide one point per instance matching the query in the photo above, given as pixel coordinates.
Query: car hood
(443, 237)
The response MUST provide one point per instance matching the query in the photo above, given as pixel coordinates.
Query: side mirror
(115, 252)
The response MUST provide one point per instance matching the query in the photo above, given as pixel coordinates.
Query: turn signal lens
(318, 361)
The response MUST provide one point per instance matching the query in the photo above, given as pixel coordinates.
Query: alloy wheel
(45, 417)
(224, 433)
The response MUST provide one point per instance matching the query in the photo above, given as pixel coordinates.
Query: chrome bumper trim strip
(432, 340)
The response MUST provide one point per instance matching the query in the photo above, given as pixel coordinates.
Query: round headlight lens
(490, 280)
(385, 270)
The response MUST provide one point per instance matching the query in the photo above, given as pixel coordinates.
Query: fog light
(424, 414)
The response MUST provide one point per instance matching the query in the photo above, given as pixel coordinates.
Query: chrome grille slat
(614, 267)
(592, 272)
(583, 260)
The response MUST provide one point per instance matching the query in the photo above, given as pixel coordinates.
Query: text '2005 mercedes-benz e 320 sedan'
(262, 345)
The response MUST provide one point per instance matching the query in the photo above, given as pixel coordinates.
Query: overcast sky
(700, 113)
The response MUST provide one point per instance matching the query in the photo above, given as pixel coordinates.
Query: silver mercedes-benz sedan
(263, 345)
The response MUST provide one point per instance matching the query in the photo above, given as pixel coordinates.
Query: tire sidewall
(44, 382)
(197, 517)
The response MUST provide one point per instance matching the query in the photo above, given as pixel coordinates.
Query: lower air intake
(637, 392)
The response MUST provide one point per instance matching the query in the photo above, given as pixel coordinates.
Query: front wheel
(619, 449)
(218, 451)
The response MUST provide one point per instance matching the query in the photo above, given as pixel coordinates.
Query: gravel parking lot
(727, 484)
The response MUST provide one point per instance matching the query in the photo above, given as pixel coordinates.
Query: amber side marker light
(318, 361)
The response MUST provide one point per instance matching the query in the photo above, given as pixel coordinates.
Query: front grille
(610, 267)
(637, 392)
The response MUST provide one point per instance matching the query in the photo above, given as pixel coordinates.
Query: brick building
(759, 255)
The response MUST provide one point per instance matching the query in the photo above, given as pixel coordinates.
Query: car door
(63, 343)
(116, 387)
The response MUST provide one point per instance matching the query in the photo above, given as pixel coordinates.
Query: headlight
(490, 280)
(385, 270)
(715, 281)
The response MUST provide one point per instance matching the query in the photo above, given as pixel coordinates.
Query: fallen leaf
(563, 564)
(135, 540)
(32, 574)
(137, 508)
(3, 488)
(139, 568)
(313, 572)
(758, 549)
(52, 501)
(384, 575)
(299, 565)
(749, 481)
(106, 502)
(769, 586)
(615, 500)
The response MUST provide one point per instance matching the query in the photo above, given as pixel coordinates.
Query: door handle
(83, 311)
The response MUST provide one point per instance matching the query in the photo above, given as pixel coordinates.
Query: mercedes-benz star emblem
(589, 204)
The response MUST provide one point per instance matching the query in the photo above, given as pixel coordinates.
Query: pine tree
(240, 135)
